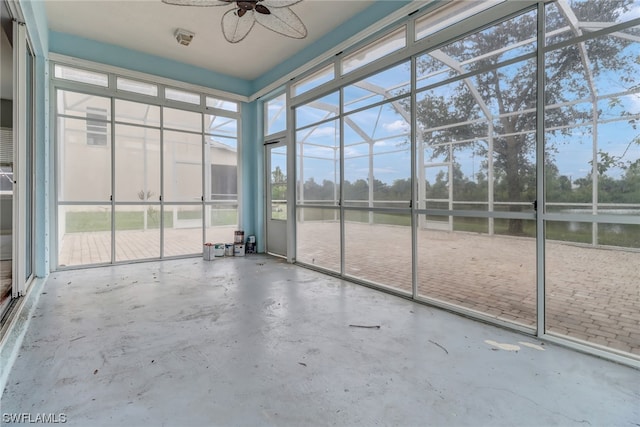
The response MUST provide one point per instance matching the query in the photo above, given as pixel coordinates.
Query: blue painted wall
(250, 178)
(258, 159)
(91, 50)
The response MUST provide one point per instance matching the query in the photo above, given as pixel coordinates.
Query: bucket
(238, 236)
(238, 249)
(218, 249)
(208, 252)
(228, 249)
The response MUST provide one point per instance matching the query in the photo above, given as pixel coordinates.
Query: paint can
(208, 252)
(238, 236)
(218, 249)
(251, 245)
(228, 249)
(238, 249)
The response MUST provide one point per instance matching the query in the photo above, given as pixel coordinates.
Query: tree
(278, 184)
(504, 97)
(277, 177)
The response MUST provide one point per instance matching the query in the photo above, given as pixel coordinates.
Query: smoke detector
(183, 37)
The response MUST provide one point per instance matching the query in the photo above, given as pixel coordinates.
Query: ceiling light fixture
(183, 37)
(274, 15)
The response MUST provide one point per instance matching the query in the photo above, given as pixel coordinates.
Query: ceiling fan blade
(198, 2)
(284, 21)
(280, 3)
(235, 28)
(262, 9)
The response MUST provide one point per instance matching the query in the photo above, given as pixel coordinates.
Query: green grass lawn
(77, 222)
(623, 235)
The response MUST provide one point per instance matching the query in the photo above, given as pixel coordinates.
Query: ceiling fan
(237, 22)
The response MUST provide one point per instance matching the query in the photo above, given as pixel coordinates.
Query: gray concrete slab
(254, 341)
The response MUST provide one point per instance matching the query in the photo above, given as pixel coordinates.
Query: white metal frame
(540, 216)
(22, 119)
(275, 140)
(114, 94)
(19, 157)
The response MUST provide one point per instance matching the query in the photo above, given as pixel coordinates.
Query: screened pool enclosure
(491, 169)
(483, 157)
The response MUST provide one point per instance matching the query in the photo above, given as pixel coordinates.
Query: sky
(390, 131)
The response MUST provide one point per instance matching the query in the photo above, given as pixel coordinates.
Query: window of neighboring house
(96, 126)
(224, 182)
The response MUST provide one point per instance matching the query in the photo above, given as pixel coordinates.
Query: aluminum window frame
(492, 15)
(113, 93)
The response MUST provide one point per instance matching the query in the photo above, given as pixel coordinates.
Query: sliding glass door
(16, 159)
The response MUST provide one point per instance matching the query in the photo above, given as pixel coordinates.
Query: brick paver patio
(95, 247)
(593, 294)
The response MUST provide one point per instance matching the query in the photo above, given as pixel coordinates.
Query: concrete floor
(592, 292)
(254, 341)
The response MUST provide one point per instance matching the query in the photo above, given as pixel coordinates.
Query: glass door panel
(278, 182)
(28, 165)
(6, 168)
(276, 155)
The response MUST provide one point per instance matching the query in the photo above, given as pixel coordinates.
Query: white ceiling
(148, 26)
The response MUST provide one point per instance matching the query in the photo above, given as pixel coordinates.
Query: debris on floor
(502, 346)
(531, 345)
(366, 326)
(435, 343)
